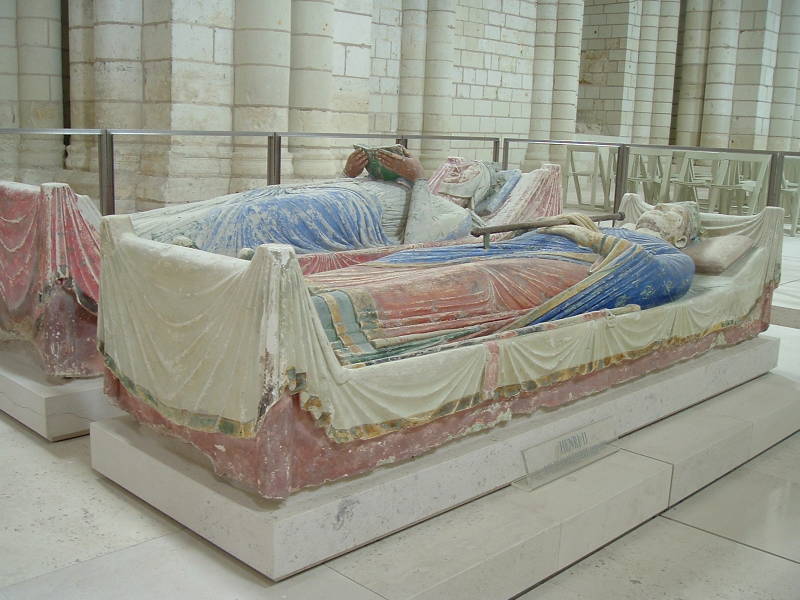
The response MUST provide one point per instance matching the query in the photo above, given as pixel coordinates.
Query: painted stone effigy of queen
(422, 298)
(287, 381)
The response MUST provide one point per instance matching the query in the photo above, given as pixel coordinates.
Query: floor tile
(10, 425)
(496, 546)
(782, 460)
(666, 560)
(455, 546)
(770, 403)
(758, 504)
(181, 566)
(701, 447)
(57, 511)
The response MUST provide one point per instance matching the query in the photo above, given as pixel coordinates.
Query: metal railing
(274, 141)
(105, 144)
(623, 153)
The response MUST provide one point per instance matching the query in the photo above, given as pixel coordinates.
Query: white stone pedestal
(785, 316)
(56, 409)
(506, 542)
(282, 538)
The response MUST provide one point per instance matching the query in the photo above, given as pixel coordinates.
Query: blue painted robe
(325, 218)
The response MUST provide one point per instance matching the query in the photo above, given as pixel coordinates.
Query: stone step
(55, 409)
(315, 525)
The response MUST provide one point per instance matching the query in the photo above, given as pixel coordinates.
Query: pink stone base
(290, 451)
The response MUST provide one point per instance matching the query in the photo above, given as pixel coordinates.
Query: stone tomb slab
(707, 441)
(279, 539)
(56, 409)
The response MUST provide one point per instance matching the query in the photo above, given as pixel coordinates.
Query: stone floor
(67, 532)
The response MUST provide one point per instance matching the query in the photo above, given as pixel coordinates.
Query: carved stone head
(676, 222)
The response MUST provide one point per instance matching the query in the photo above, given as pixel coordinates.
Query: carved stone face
(676, 223)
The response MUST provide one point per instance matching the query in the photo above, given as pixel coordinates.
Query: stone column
(118, 84)
(40, 104)
(566, 71)
(795, 145)
(786, 81)
(755, 70)
(412, 67)
(723, 45)
(118, 64)
(697, 30)
(9, 101)
(438, 101)
(646, 71)
(625, 78)
(544, 55)
(82, 150)
(311, 87)
(661, 118)
(189, 85)
(262, 68)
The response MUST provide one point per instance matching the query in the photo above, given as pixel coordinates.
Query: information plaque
(567, 453)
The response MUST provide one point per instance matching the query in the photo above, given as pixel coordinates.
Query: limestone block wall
(627, 69)
(261, 51)
(186, 60)
(759, 25)
(605, 53)
(9, 98)
(494, 70)
(30, 87)
(546, 69)
(738, 72)
(352, 61)
(784, 131)
(664, 80)
(395, 26)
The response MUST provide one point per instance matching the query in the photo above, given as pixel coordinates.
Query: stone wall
(9, 94)
(494, 70)
(545, 69)
(30, 86)
(738, 89)
(628, 61)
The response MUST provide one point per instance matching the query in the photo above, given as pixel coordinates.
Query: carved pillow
(714, 255)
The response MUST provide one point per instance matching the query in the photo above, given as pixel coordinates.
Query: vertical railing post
(621, 176)
(270, 165)
(505, 154)
(274, 159)
(775, 180)
(105, 158)
(496, 150)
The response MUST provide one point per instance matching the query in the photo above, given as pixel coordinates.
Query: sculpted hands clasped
(356, 163)
(406, 166)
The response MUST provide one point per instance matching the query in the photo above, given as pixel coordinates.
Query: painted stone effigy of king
(354, 219)
(49, 279)
(286, 380)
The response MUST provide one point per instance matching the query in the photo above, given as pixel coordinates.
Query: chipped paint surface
(304, 418)
(290, 451)
(49, 260)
